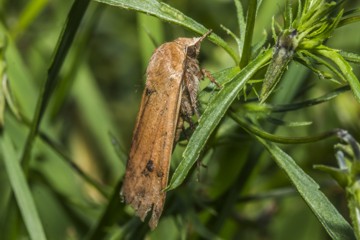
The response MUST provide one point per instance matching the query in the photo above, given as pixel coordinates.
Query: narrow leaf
(345, 69)
(348, 20)
(21, 190)
(350, 56)
(333, 222)
(319, 60)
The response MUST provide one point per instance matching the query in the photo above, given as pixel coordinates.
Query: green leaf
(167, 13)
(237, 40)
(29, 13)
(212, 115)
(319, 60)
(334, 223)
(340, 175)
(19, 77)
(344, 67)
(348, 20)
(94, 109)
(21, 190)
(350, 56)
(2, 78)
(288, 15)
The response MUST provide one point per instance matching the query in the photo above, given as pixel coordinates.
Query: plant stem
(250, 22)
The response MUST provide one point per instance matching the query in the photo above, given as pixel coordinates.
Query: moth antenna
(205, 35)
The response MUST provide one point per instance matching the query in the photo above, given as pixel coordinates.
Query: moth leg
(207, 74)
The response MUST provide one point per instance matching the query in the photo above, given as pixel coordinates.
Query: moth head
(192, 45)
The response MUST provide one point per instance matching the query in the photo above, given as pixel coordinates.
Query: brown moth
(169, 99)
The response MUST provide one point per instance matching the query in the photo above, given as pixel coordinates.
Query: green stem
(251, 128)
(354, 211)
(250, 22)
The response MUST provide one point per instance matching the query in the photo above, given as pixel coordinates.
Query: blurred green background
(97, 100)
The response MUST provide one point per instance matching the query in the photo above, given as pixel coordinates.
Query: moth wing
(153, 138)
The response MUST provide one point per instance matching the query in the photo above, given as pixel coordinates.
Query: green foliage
(21, 191)
(329, 217)
(70, 87)
(348, 157)
(314, 24)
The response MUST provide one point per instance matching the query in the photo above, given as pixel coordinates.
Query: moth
(282, 55)
(169, 99)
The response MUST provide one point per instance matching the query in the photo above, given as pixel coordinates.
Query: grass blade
(350, 56)
(333, 222)
(21, 190)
